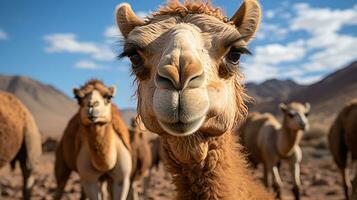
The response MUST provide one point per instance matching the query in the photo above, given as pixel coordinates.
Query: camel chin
(181, 129)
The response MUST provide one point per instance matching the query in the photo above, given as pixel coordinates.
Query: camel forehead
(297, 107)
(160, 27)
(95, 95)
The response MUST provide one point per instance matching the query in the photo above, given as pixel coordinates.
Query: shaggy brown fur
(205, 164)
(175, 7)
(20, 139)
(210, 168)
(343, 140)
(75, 134)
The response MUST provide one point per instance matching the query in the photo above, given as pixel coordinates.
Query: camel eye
(136, 59)
(291, 115)
(233, 56)
(307, 114)
(108, 98)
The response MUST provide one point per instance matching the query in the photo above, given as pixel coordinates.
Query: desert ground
(320, 177)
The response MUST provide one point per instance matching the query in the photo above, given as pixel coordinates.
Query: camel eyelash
(241, 50)
(128, 53)
(130, 50)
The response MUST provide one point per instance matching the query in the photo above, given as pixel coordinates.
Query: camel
(20, 139)
(269, 142)
(95, 144)
(342, 141)
(185, 58)
(142, 157)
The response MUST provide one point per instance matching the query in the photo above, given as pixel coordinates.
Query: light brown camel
(20, 139)
(342, 141)
(95, 144)
(142, 157)
(269, 142)
(185, 58)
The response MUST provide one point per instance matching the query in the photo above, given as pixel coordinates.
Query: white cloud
(334, 54)
(142, 14)
(257, 73)
(322, 20)
(324, 50)
(270, 14)
(86, 64)
(308, 79)
(277, 53)
(67, 42)
(271, 31)
(3, 35)
(112, 32)
(331, 49)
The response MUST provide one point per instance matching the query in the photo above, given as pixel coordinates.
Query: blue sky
(64, 43)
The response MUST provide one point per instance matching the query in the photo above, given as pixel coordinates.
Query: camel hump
(120, 127)
(17, 120)
(343, 134)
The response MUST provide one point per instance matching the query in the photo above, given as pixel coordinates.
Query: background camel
(268, 142)
(95, 144)
(185, 58)
(342, 140)
(142, 157)
(20, 139)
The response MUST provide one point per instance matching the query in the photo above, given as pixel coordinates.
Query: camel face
(296, 115)
(95, 103)
(187, 67)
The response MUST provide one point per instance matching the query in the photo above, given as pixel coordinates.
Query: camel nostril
(166, 82)
(194, 81)
(302, 125)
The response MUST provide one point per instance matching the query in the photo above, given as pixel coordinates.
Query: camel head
(94, 99)
(295, 115)
(186, 60)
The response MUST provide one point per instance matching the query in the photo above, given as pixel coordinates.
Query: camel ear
(78, 94)
(307, 107)
(112, 90)
(126, 19)
(247, 18)
(283, 107)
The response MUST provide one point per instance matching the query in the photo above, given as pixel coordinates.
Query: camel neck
(101, 145)
(207, 168)
(288, 139)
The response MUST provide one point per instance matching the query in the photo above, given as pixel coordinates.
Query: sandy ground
(319, 177)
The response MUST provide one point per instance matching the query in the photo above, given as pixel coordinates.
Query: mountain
(51, 108)
(272, 89)
(271, 92)
(327, 96)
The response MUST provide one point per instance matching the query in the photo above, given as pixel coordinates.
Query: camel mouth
(182, 129)
(93, 118)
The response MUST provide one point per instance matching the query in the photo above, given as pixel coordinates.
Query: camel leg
(62, 173)
(295, 169)
(133, 193)
(83, 194)
(104, 190)
(346, 182)
(146, 184)
(354, 188)
(91, 189)
(120, 190)
(267, 177)
(28, 179)
(278, 184)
